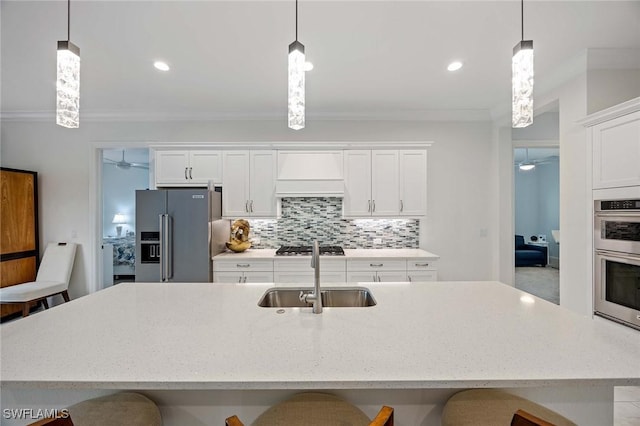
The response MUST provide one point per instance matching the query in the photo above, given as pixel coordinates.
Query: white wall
(459, 177)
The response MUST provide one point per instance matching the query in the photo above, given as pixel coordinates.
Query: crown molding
(153, 116)
(615, 111)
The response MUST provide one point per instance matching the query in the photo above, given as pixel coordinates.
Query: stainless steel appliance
(178, 231)
(307, 250)
(617, 261)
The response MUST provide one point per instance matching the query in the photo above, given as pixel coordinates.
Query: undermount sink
(332, 297)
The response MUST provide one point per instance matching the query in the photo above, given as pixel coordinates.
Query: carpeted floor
(541, 282)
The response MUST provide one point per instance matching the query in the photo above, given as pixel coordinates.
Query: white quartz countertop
(214, 336)
(349, 253)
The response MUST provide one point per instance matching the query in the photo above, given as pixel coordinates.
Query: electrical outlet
(377, 241)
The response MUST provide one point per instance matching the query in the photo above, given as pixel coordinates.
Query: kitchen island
(204, 351)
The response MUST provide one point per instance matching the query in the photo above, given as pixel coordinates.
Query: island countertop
(214, 336)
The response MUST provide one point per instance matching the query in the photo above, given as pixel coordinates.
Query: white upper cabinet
(357, 179)
(385, 183)
(413, 182)
(249, 184)
(616, 152)
(187, 167)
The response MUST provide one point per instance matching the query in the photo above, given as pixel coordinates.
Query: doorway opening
(123, 172)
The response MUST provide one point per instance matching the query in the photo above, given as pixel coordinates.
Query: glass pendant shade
(68, 85)
(522, 84)
(296, 85)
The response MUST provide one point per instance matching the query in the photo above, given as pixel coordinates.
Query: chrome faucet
(314, 297)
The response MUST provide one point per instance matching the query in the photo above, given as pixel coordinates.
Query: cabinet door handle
(422, 264)
(375, 279)
(374, 205)
(401, 206)
(185, 173)
(190, 169)
(245, 280)
(251, 206)
(409, 277)
(376, 265)
(369, 206)
(246, 206)
(242, 265)
(240, 279)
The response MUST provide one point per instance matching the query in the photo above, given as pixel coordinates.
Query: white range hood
(310, 174)
(309, 188)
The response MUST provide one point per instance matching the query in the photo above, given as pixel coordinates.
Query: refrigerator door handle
(162, 246)
(166, 270)
(169, 248)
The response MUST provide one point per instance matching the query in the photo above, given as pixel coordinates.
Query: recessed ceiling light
(308, 66)
(454, 66)
(162, 66)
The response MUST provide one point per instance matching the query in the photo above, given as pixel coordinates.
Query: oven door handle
(634, 214)
(618, 255)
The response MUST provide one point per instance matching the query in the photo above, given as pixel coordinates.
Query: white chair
(53, 278)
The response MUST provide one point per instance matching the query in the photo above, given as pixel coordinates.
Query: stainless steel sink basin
(332, 297)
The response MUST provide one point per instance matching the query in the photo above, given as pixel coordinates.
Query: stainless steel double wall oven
(617, 261)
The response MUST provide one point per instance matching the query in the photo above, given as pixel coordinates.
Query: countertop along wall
(457, 226)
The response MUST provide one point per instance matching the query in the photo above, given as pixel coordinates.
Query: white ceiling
(373, 59)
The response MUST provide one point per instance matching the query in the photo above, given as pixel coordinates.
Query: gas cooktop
(306, 251)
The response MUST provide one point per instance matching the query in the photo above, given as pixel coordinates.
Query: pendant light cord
(296, 19)
(521, 17)
(68, 20)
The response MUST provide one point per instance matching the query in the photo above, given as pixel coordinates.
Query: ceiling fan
(527, 164)
(125, 165)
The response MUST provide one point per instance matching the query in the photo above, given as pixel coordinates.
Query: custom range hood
(310, 174)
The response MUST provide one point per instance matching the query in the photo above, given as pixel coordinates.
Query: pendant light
(296, 81)
(522, 79)
(68, 80)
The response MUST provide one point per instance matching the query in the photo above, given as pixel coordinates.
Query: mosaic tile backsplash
(306, 219)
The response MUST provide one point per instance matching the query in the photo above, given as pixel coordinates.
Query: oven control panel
(609, 205)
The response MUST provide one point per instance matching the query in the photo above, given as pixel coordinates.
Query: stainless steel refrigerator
(178, 231)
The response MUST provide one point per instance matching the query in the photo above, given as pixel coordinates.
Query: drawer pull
(422, 264)
(242, 265)
(376, 265)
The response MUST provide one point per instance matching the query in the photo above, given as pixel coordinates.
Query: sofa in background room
(528, 254)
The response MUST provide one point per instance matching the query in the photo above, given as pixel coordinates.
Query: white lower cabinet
(422, 270)
(332, 270)
(243, 271)
(376, 270)
(299, 270)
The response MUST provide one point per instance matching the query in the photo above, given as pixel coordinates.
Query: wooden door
(19, 252)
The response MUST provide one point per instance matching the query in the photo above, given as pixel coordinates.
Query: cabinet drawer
(376, 265)
(303, 264)
(418, 276)
(307, 277)
(421, 264)
(243, 265)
